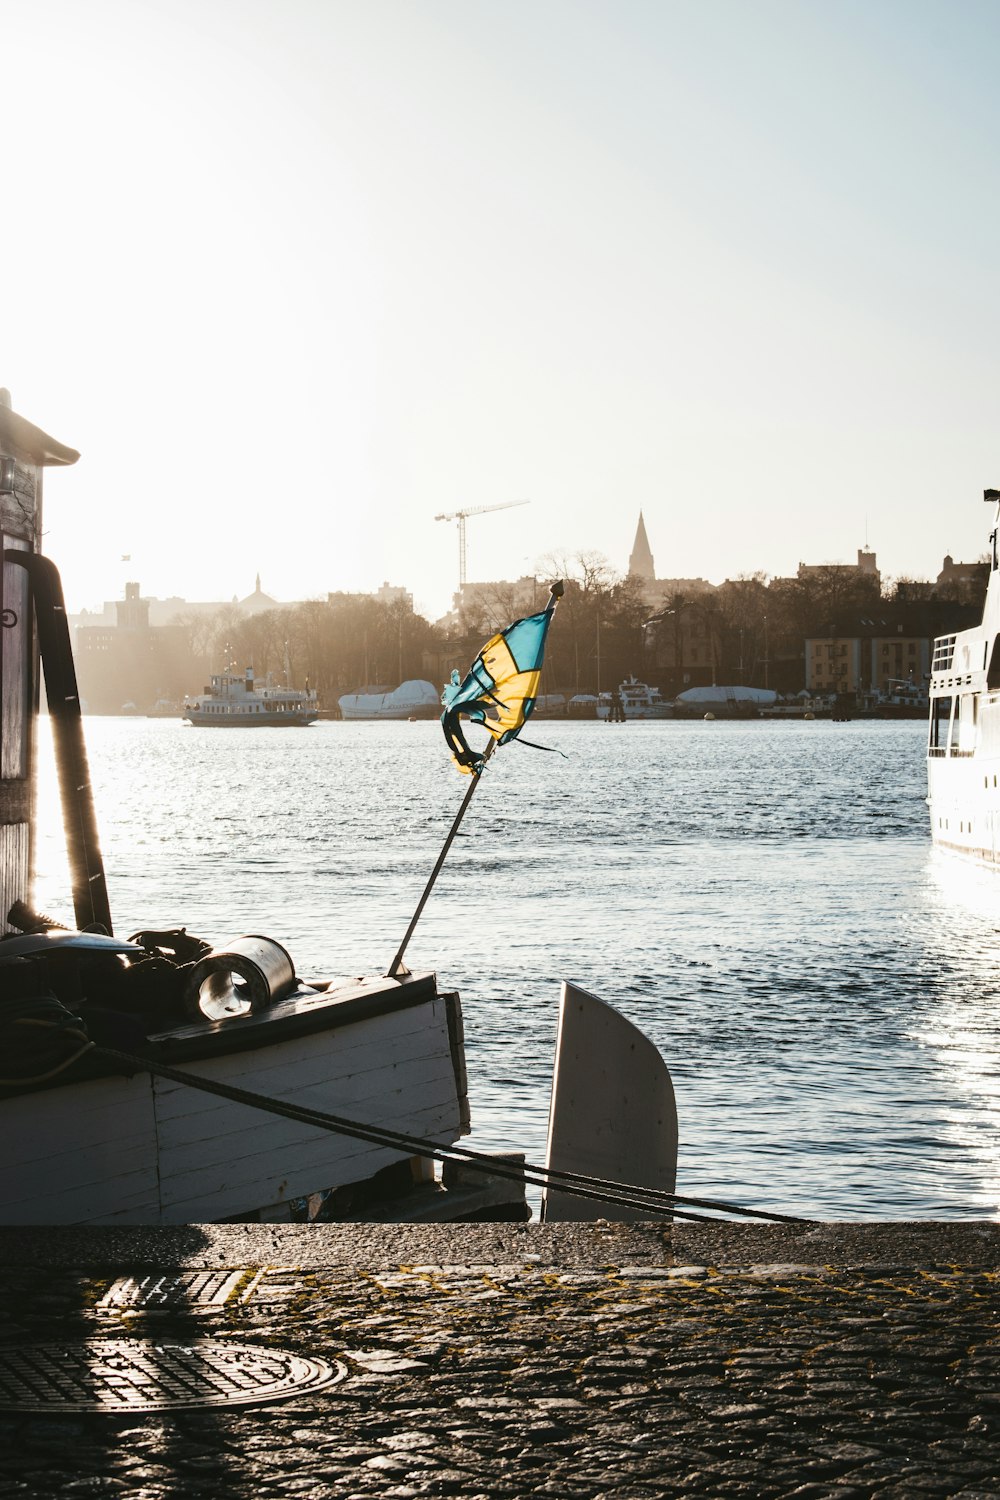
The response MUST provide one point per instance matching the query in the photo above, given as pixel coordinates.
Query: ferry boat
(963, 743)
(637, 701)
(233, 701)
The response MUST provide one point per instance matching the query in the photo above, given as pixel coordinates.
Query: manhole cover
(144, 1375)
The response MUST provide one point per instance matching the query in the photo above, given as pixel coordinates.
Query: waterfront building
(833, 664)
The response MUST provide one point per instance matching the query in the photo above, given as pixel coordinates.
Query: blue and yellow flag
(500, 688)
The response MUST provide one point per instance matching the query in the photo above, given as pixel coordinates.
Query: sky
(297, 276)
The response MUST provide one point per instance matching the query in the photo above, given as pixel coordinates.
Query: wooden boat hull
(145, 1150)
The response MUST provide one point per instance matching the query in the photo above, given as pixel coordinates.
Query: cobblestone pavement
(519, 1362)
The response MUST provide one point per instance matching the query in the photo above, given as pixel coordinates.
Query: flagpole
(397, 961)
(556, 591)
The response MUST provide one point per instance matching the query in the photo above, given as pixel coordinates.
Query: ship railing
(944, 653)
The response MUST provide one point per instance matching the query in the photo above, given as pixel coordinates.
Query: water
(761, 898)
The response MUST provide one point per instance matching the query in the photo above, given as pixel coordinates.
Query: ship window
(993, 670)
(940, 715)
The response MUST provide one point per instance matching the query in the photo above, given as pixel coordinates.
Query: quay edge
(601, 1244)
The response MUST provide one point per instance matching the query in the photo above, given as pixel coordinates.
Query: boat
(721, 702)
(414, 699)
(802, 705)
(902, 698)
(963, 743)
(165, 1079)
(234, 701)
(635, 700)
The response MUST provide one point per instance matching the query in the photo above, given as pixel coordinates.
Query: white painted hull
(411, 700)
(420, 711)
(144, 1150)
(963, 798)
(657, 711)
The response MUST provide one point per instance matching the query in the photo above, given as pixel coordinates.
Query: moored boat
(902, 699)
(235, 700)
(723, 702)
(633, 700)
(414, 699)
(963, 742)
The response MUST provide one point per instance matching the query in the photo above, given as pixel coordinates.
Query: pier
(506, 1360)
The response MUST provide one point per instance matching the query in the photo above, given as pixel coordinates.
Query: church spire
(640, 563)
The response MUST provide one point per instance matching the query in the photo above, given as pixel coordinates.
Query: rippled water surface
(761, 898)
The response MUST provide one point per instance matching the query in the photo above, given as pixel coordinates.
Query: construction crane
(460, 515)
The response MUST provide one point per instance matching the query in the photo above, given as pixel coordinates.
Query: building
(833, 664)
(640, 563)
(132, 665)
(681, 646)
(960, 580)
(865, 568)
(658, 592)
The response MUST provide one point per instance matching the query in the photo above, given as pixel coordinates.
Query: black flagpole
(394, 967)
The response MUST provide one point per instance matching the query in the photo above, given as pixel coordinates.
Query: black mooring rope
(622, 1195)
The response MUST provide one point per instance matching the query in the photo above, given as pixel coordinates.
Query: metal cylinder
(244, 975)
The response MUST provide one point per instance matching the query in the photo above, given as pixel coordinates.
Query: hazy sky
(297, 275)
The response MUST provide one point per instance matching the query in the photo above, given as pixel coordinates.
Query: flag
(500, 687)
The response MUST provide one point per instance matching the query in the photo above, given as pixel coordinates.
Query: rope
(622, 1195)
(38, 1030)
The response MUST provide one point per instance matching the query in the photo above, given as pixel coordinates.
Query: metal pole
(394, 967)
(90, 893)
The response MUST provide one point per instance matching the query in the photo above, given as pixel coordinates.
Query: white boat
(96, 1144)
(415, 699)
(636, 700)
(234, 701)
(963, 743)
(722, 702)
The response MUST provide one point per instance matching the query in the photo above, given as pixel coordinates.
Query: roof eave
(23, 440)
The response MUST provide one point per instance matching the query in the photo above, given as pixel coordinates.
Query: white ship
(963, 745)
(234, 700)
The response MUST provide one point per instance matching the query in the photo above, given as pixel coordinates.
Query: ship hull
(250, 721)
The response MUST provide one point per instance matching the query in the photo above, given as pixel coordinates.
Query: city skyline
(316, 273)
(390, 586)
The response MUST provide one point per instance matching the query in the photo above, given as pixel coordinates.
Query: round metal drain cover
(142, 1375)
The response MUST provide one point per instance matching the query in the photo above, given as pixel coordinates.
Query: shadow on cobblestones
(87, 1453)
(568, 1379)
